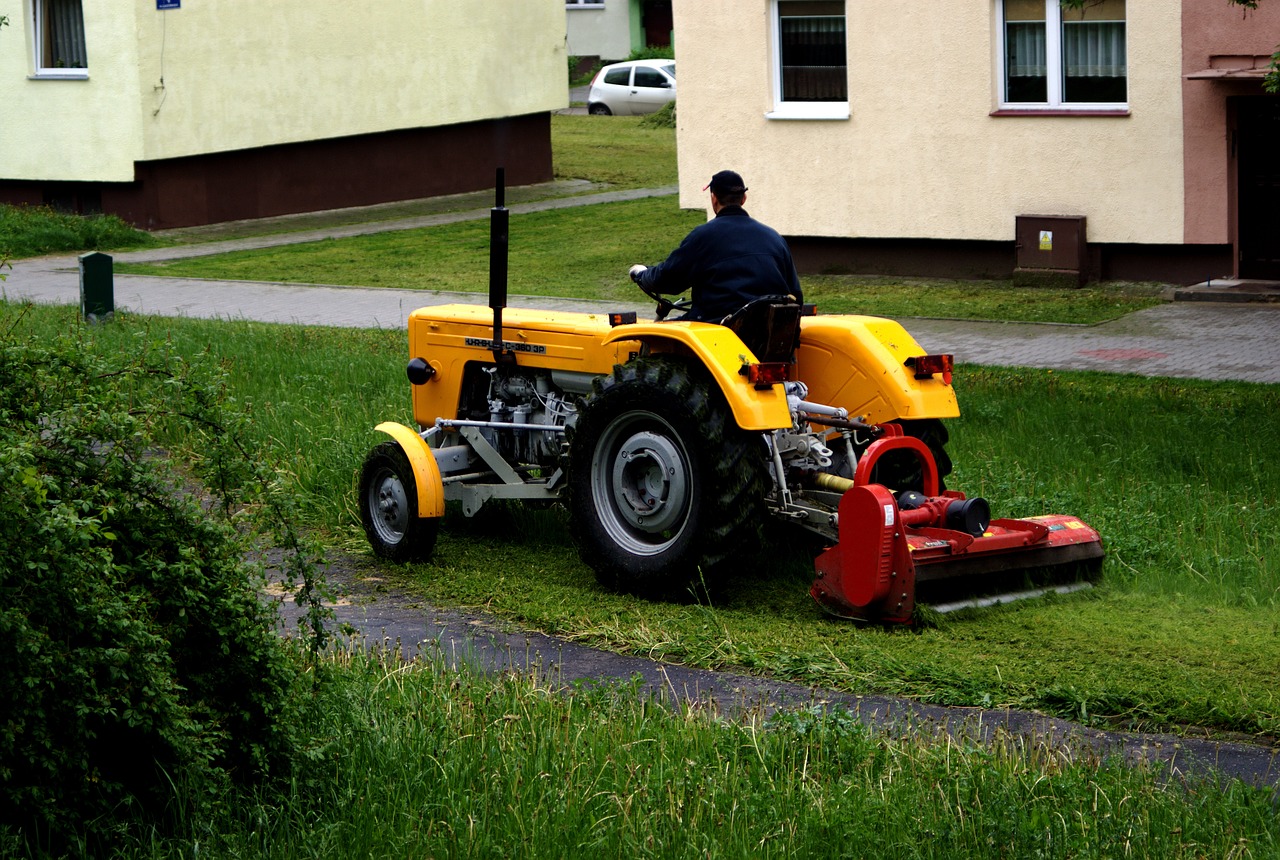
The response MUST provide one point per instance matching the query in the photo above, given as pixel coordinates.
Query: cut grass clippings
(1183, 632)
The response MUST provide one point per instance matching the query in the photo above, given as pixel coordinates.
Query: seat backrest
(769, 326)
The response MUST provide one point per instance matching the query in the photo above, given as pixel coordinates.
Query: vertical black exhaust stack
(499, 218)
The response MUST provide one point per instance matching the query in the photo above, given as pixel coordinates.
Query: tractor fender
(426, 472)
(859, 362)
(724, 355)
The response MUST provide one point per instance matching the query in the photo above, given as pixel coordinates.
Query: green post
(97, 291)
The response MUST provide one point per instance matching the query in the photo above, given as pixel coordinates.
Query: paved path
(1180, 339)
(1196, 339)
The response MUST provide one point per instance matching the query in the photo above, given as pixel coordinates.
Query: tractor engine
(522, 399)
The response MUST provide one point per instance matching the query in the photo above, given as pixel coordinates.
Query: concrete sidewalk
(1190, 339)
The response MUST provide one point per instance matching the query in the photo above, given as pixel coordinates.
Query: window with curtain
(811, 51)
(1059, 57)
(59, 31)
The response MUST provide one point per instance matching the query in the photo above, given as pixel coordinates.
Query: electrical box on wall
(1051, 245)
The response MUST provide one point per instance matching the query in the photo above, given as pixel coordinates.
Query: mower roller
(671, 443)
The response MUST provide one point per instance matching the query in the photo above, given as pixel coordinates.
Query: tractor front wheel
(663, 485)
(389, 507)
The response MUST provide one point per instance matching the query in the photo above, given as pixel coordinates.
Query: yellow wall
(246, 73)
(90, 128)
(920, 155)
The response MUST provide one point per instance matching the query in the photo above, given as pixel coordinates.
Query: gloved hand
(636, 270)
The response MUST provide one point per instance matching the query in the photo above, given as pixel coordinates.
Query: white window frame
(1053, 66)
(37, 31)
(584, 4)
(793, 109)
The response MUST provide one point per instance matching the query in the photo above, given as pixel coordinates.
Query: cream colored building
(897, 137)
(172, 113)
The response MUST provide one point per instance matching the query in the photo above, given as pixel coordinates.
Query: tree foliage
(137, 654)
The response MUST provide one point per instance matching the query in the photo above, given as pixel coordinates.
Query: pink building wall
(1228, 42)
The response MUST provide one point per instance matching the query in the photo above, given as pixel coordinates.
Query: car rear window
(622, 77)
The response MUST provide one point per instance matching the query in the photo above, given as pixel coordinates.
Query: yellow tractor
(671, 442)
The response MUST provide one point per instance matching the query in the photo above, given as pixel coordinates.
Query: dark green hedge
(135, 652)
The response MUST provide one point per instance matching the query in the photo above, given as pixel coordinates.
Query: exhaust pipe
(499, 221)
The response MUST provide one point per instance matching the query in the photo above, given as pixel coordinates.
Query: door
(651, 90)
(1258, 183)
(657, 23)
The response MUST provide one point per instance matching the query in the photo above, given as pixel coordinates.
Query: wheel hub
(390, 508)
(650, 487)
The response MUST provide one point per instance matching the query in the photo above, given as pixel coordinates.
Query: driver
(728, 261)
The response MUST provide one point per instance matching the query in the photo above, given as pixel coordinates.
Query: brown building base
(312, 176)
(939, 258)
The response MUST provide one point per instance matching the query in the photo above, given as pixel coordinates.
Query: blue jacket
(727, 262)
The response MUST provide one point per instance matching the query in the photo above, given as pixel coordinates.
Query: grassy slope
(28, 231)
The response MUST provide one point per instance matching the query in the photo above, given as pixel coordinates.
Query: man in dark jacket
(727, 261)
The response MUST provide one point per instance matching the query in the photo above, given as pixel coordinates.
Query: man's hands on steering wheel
(665, 305)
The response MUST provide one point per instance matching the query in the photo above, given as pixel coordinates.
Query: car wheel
(599, 109)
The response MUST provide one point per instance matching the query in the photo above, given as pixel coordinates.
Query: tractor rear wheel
(663, 485)
(389, 507)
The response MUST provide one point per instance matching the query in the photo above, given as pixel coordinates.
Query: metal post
(97, 291)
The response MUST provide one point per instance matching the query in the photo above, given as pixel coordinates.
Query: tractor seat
(769, 326)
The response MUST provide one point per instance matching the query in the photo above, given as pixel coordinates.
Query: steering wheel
(665, 305)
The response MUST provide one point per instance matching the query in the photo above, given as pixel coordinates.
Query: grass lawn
(584, 253)
(431, 760)
(28, 231)
(1184, 631)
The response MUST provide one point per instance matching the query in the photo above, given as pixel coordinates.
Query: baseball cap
(726, 182)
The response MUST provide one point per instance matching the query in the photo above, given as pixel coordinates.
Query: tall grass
(28, 231)
(428, 761)
(1178, 476)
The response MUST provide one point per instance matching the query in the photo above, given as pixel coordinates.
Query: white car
(633, 87)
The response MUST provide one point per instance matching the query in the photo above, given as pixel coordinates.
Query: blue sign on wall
(168, 4)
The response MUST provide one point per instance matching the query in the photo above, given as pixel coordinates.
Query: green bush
(138, 657)
(654, 52)
(28, 231)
